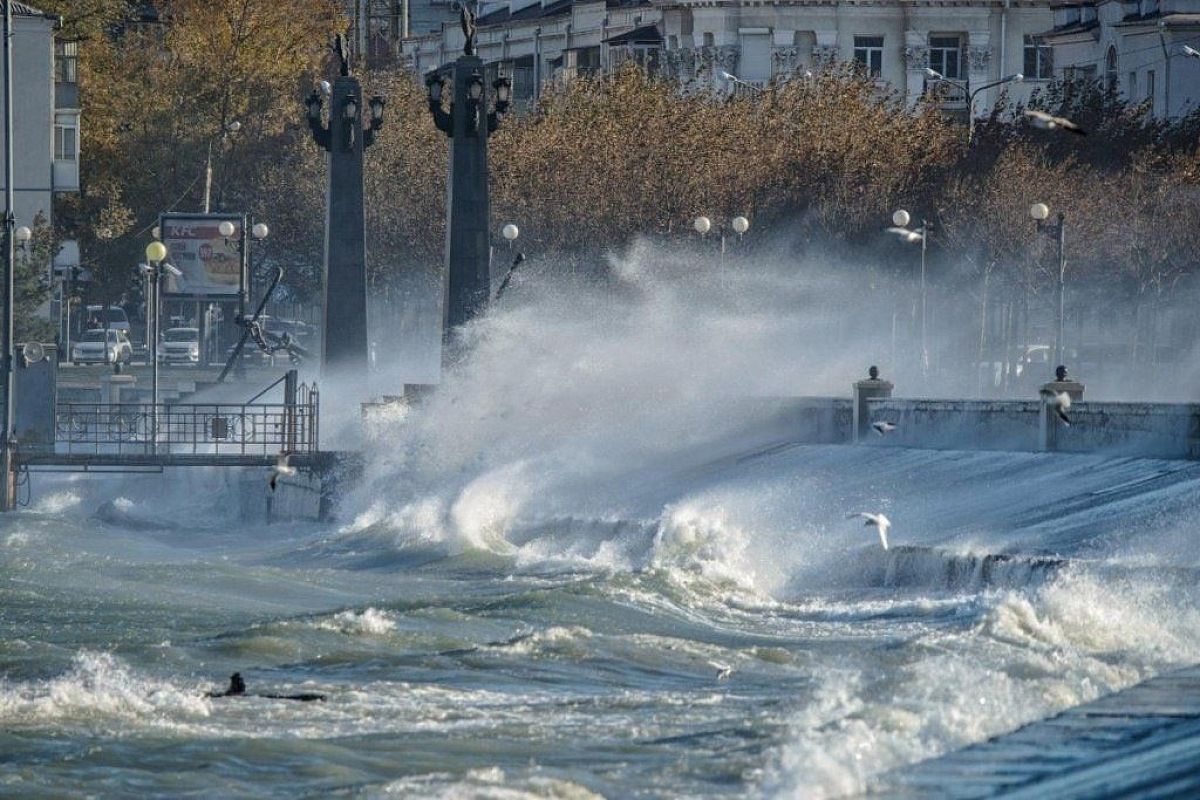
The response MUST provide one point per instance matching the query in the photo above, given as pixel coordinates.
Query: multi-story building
(45, 122)
(378, 26)
(972, 42)
(1135, 47)
(45, 117)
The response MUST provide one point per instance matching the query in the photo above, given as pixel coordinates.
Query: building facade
(972, 42)
(378, 26)
(45, 123)
(1135, 48)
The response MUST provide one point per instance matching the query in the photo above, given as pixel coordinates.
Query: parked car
(91, 347)
(117, 318)
(180, 346)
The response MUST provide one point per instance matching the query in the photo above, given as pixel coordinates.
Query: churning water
(589, 566)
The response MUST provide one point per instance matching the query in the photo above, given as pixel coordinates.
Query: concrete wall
(1161, 430)
(297, 497)
(814, 420)
(957, 424)
(1156, 430)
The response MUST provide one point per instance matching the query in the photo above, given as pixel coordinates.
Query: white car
(117, 318)
(92, 349)
(180, 346)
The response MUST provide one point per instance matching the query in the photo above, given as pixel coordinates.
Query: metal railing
(188, 428)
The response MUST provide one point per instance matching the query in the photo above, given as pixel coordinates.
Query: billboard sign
(211, 264)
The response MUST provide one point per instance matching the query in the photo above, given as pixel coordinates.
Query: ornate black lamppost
(467, 124)
(1040, 212)
(344, 340)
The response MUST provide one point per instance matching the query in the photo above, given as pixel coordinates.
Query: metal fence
(189, 428)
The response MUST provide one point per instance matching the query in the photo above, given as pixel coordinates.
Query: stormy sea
(594, 563)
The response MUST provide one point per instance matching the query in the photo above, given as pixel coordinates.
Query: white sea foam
(56, 503)
(488, 783)
(369, 621)
(1032, 654)
(99, 689)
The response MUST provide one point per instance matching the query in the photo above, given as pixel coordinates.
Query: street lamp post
(467, 124)
(156, 256)
(1040, 212)
(259, 233)
(8, 495)
(229, 127)
(933, 74)
(510, 232)
(344, 343)
(736, 81)
(740, 225)
(900, 220)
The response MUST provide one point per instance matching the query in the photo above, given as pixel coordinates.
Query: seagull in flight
(1049, 122)
(879, 521)
(1060, 402)
(283, 467)
(1191, 52)
(883, 427)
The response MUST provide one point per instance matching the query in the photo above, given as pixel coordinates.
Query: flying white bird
(1060, 402)
(282, 467)
(905, 234)
(1049, 122)
(883, 427)
(723, 670)
(1191, 52)
(879, 521)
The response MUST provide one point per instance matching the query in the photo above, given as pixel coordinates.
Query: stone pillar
(1048, 421)
(344, 343)
(872, 387)
(916, 60)
(468, 263)
(979, 69)
(112, 386)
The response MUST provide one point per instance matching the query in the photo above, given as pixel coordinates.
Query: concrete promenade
(1142, 742)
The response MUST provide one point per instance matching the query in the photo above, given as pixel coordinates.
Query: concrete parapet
(957, 424)
(812, 420)
(1153, 430)
(1158, 430)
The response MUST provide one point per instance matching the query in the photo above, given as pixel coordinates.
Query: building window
(1039, 60)
(1150, 88)
(66, 142)
(1110, 69)
(587, 61)
(66, 62)
(1131, 89)
(945, 56)
(709, 40)
(868, 51)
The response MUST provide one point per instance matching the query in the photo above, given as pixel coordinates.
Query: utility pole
(344, 343)
(468, 125)
(8, 493)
